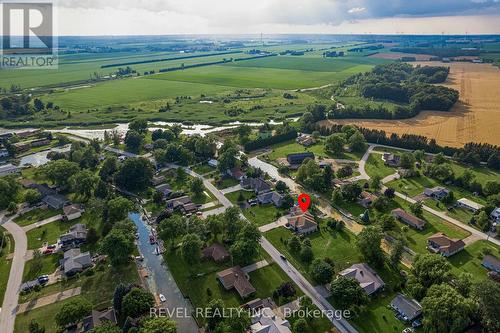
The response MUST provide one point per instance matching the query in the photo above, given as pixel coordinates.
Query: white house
(266, 321)
(469, 204)
(72, 212)
(213, 163)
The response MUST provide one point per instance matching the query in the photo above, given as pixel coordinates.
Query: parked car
(162, 298)
(282, 257)
(408, 330)
(51, 246)
(48, 251)
(43, 279)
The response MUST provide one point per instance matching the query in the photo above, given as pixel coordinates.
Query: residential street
(9, 307)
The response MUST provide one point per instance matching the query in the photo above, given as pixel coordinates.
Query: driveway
(41, 223)
(9, 307)
(272, 171)
(46, 300)
(255, 266)
(231, 189)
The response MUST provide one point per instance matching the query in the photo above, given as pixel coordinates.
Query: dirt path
(42, 301)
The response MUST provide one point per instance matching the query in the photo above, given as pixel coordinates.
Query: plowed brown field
(476, 117)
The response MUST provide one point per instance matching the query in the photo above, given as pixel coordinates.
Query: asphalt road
(9, 307)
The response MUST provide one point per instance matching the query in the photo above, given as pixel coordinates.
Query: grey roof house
(437, 192)
(258, 185)
(270, 198)
(55, 201)
(368, 279)
(75, 262)
(491, 263)
(408, 309)
(75, 236)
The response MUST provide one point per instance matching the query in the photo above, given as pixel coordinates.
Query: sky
(163, 17)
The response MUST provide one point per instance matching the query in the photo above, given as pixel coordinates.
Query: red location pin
(304, 202)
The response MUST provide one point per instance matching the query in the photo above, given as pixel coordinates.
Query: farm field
(475, 118)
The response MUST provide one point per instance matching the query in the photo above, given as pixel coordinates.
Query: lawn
(267, 279)
(375, 166)
(49, 264)
(5, 264)
(262, 215)
(469, 259)
(233, 196)
(182, 184)
(226, 182)
(339, 246)
(202, 169)
(35, 215)
(48, 233)
(483, 175)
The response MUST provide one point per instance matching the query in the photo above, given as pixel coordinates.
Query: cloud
(356, 10)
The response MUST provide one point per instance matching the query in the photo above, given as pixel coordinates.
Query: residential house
(71, 212)
(368, 279)
(491, 263)
(338, 183)
(366, 199)
(75, 236)
(408, 309)
(213, 163)
(305, 140)
(301, 222)
(446, 246)
(22, 146)
(408, 218)
(165, 190)
(182, 204)
(437, 192)
(391, 159)
(74, 261)
(55, 201)
(215, 252)
(495, 215)
(8, 169)
(236, 173)
(296, 159)
(258, 304)
(270, 198)
(258, 185)
(266, 321)
(157, 180)
(469, 204)
(95, 319)
(39, 142)
(234, 277)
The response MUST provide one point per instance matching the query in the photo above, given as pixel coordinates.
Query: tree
(286, 290)
(407, 160)
(84, 183)
(243, 251)
(390, 192)
(101, 190)
(337, 196)
(483, 221)
(365, 217)
(334, 144)
(347, 292)
(381, 204)
(196, 187)
(306, 254)
(133, 140)
(157, 325)
(138, 125)
(281, 186)
(416, 208)
(227, 160)
(119, 246)
(191, 248)
(445, 310)
(485, 295)
(72, 311)
(294, 244)
(243, 132)
(299, 326)
(368, 242)
(9, 189)
(60, 171)
(35, 327)
(351, 192)
(396, 252)
(171, 228)
(32, 196)
(120, 291)
(135, 174)
(357, 142)
(320, 271)
(39, 106)
(376, 182)
(108, 168)
(118, 209)
(137, 302)
(427, 270)
(107, 327)
(494, 161)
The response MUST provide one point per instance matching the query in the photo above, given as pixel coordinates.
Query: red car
(48, 251)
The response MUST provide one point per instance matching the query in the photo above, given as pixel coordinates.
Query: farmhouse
(366, 199)
(446, 246)
(296, 159)
(469, 204)
(368, 279)
(75, 262)
(215, 252)
(437, 192)
(258, 185)
(408, 309)
(491, 263)
(71, 212)
(270, 198)
(234, 277)
(391, 159)
(8, 169)
(300, 222)
(409, 219)
(266, 321)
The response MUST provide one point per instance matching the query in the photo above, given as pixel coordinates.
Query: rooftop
(368, 279)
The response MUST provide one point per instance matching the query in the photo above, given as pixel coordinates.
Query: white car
(162, 298)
